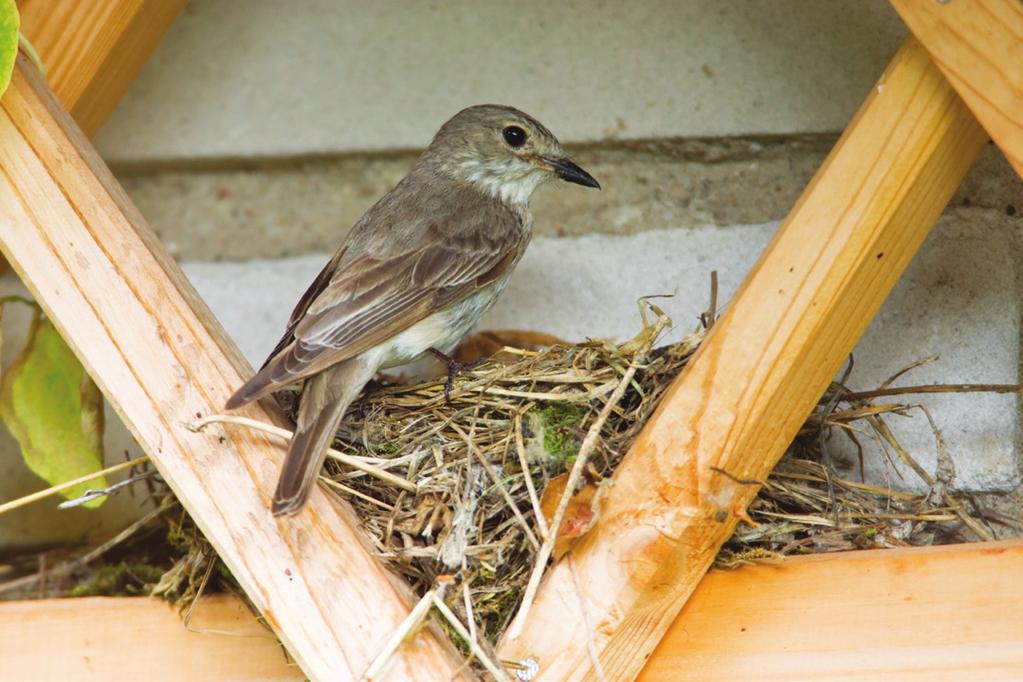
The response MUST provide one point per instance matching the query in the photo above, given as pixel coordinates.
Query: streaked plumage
(417, 271)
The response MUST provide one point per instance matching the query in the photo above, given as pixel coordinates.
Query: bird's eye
(514, 136)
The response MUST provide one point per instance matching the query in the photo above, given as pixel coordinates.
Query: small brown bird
(415, 274)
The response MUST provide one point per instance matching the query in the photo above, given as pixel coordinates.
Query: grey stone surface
(959, 300)
(574, 287)
(287, 208)
(264, 78)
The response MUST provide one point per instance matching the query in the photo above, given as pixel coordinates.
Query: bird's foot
(454, 369)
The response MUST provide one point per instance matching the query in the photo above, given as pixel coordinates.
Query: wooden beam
(756, 377)
(93, 49)
(135, 638)
(161, 359)
(935, 613)
(978, 45)
(950, 613)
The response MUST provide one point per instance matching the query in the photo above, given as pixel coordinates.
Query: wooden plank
(98, 639)
(936, 613)
(755, 379)
(93, 49)
(978, 45)
(950, 613)
(161, 359)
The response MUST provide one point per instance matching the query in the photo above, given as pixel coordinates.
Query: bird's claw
(454, 369)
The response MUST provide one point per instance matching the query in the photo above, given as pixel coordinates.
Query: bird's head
(505, 152)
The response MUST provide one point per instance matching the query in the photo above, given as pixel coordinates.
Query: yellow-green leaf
(55, 411)
(9, 24)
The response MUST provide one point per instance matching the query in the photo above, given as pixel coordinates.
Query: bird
(413, 276)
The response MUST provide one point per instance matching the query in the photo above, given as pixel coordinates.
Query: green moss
(179, 539)
(500, 605)
(120, 580)
(560, 424)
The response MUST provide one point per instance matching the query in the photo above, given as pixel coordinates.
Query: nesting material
(489, 466)
(471, 480)
(474, 512)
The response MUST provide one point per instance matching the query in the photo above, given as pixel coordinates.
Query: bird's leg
(371, 387)
(454, 367)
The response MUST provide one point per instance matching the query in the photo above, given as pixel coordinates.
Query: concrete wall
(242, 78)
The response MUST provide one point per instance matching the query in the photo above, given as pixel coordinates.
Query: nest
(481, 458)
(491, 456)
(468, 473)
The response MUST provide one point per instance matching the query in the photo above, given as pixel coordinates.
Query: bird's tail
(325, 397)
(261, 385)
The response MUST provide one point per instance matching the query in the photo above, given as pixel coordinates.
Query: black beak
(568, 171)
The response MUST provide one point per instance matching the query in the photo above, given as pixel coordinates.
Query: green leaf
(55, 411)
(9, 24)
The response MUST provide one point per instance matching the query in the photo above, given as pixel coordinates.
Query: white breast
(443, 330)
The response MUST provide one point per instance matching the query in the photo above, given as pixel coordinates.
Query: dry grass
(479, 464)
(510, 428)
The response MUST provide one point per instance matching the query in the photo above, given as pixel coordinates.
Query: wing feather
(395, 270)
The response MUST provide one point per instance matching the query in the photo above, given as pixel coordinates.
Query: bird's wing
(314, 290)
(395, 278)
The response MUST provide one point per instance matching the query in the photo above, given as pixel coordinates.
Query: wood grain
(100, 639)
(978, 45)
(161, 359)
(93, 49)
(756, 377)
(936, 613)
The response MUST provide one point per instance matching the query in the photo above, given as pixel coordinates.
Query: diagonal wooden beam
(161, 359)
(978, 45)
(93, 49)
(755, 379)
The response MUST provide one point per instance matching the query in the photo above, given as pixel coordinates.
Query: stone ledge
(290, 207)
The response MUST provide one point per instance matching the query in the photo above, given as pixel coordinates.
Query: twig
(574, 397)
(16, 298)
(467, 602)
(432, 599)
(882, 428)
(520, 449)
(498, 484)
(815, 520)
(407, 628)
(53, 490)
(473, 645)
(30, 50)
(709, 317)
(358, 463)
(128, 532)
(84, 560)
(90, 495)
(736, 479)
(933, 388)
(583, 456)
(906, 370)
(352, 491)
(187, 620)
